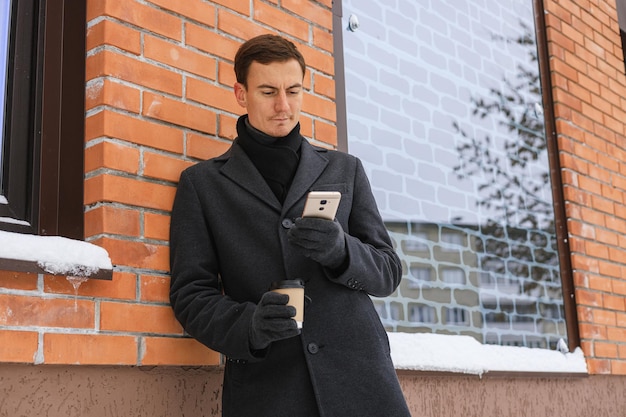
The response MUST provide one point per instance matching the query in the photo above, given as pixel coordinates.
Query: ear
(240, 94)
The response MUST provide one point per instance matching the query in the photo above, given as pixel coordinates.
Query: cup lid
(288, 283)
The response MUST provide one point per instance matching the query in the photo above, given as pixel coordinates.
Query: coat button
(312, 348)
(287, 223)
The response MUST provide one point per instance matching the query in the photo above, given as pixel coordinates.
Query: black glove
(272, 320)
(319, 239)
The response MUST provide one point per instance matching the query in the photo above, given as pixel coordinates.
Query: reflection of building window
(421, 313)
(453, 275)
(456, 316)
(453, 237)
(416, 242)
(41, 185)
(421, 273)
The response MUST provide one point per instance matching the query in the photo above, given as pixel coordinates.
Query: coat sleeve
(199, 304)
(373, 265)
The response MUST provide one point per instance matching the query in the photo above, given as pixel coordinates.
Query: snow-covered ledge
(464, 354)
(54, 255)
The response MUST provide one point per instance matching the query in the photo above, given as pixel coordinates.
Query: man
(236, 228)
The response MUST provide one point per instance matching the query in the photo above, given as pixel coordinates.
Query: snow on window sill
(53, 255)
(464, 354)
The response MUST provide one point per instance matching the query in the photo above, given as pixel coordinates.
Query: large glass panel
(5, 13)
(444, 108)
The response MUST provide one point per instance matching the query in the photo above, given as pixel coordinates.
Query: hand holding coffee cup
(294, 288)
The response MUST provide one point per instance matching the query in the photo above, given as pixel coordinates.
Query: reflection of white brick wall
(412, 70)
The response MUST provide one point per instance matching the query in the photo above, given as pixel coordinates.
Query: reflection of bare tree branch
(509, 190)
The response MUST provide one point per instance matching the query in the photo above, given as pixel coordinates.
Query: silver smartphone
(322, 204)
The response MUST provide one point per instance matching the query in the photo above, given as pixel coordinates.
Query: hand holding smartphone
(322, 204)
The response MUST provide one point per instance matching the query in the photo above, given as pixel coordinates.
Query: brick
(323, 39)
(136, 254)
(134, 130)
(209, 41)
(107, 92)
(588, 298)
(177, 351)
(592, 331)
(88, 349)
(311, 11)
(616, 334)
(155, 288)
(123, 286)
(598, 366)
(144, 16)
(317, 59)
(280, 20)
(179, 57)
(205, 147)
(605, 350)
(18, 346)
(197, 10)
(111, 64)
(226, 74)
(163, 166)
(326, 132)
(614, 302)
(145, 318)
(240, 6)
(156, 226)
(107, 32)
(135, 192)
(179, 113)
(212, 95)
(605, 317)
(618, 367)
(318, 106)
(238, 26)
(112, 220)
(24, 281)
(596, 250)
(18, 310)
(324, 85)
(227, 128)
(111, 155)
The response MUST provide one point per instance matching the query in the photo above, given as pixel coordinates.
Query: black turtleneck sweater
(276, 158)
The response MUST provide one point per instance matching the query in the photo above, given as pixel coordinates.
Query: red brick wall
(589, 89)
(159, 98)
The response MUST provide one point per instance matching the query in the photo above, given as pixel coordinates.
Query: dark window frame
(43, 167)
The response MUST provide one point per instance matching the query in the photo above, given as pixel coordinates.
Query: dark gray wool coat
(229, 242)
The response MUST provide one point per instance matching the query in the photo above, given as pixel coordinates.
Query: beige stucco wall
(85, 391)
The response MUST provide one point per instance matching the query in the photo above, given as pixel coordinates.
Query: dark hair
(265, 49)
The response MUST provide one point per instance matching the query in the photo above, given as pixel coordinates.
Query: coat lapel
(240, 169)
(312, 164)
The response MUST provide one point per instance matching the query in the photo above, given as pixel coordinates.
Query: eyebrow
(297, 85)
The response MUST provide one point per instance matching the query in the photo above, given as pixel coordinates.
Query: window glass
(444, 108)
(5, 13)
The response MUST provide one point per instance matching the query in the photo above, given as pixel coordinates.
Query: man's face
(273, 98)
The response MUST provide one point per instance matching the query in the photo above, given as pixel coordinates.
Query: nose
(281, 103)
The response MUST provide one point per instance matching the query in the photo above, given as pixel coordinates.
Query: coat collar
(240, 169)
